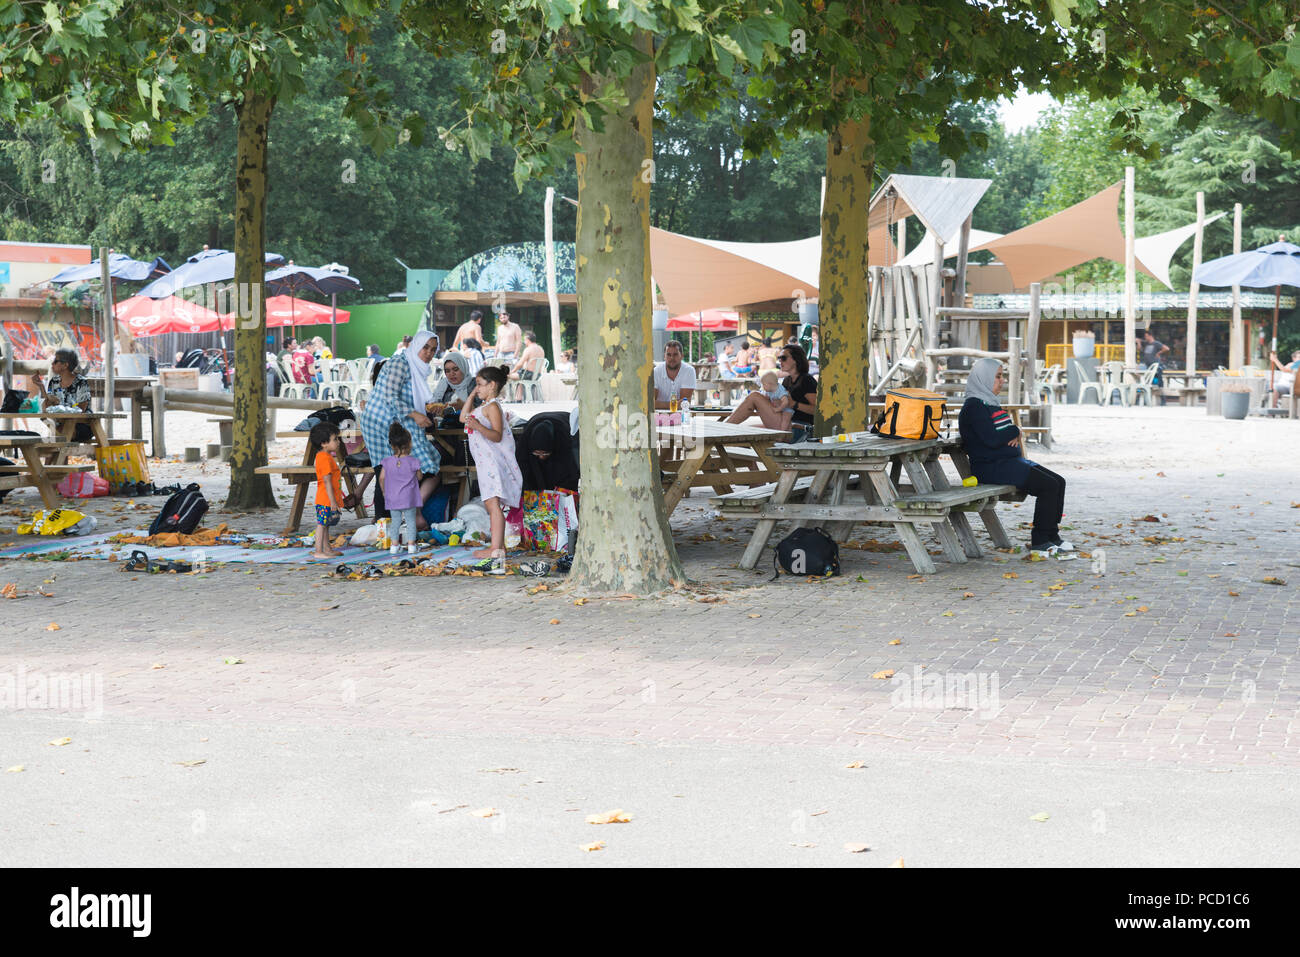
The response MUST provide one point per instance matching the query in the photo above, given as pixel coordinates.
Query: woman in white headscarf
(996, 453)
(399, 395)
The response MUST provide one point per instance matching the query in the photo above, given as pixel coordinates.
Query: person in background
(329, 495)
(507, 337)
(727, 361)
(778, 395)
(473, 353)
(767, 356)
(1284, 380)
(564, 364)
(746, 362)
(1153, 351)
(403, 343)
(527, 369)
(456, 383)
(372, 351)
(672, 376)
(997, 458)
(303, 363)
(547, 453)
(470, 329)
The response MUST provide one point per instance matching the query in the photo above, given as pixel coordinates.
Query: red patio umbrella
(714, 320)
(152, 317)
(288, 311)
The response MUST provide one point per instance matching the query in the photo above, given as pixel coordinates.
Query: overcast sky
(1022, 111)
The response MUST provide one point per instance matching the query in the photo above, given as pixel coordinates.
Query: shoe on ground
(1063, 545)
(1043, 552)
(392, 549)
(410, 549)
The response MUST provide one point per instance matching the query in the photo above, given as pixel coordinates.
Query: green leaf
(52, 19)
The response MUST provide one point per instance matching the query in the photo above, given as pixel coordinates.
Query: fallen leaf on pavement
(537, 588)
(855, 764)
(617, 816)
(856, 848)
(193, 764)
(157, 667)
(897, 863)
(593, 846)
(234, 661)
(1010, 575)
(53, 626)
(1235, 594)
(1040, 817)
(889, 673)
(60, 742)
(580, 601)
(968, 594)
(9, 591)
(485, 812)
(1271, 580)
(15, 769)
(555, 621)
(897, 641)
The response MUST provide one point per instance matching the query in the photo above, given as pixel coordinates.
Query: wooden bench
(750, 501)
(940, 502)
(225, 431)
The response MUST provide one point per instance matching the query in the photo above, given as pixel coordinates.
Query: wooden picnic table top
(862, 447)
(18, 441)
(710, 431)
(61, 416)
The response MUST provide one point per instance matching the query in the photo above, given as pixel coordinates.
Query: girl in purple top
(400, 474)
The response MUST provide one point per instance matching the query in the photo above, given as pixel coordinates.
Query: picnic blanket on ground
(99, 546)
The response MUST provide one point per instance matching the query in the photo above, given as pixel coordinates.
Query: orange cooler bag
(910, 414)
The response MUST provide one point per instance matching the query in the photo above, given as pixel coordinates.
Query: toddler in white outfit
(776, 393)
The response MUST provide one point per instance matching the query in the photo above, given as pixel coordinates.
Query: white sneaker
(410, 549)
(392, 549)
(1043, 552)
(1065, 546)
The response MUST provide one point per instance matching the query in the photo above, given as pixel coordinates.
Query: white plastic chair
(1087, 385)
(1113, 381)
(290, 389)
(531, 389)
(1144, 386)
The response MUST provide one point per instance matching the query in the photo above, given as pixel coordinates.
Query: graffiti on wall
(36, 340)
(514, 267)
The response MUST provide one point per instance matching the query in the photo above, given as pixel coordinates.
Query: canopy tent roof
(695, 274)
(941, 203)
(1157, 252)
(1084, 231)
(924, 253)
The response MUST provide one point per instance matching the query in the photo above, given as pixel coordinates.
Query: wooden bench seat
(753, 499)
(940, 501)
(68, 469)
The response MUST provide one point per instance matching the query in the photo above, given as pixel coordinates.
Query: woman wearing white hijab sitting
(400, 394)
(996, 454)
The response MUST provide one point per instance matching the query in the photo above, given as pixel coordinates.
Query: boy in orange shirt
(325, 436)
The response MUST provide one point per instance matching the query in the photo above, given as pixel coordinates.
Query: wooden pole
(552, 297)
(901, 242)
(1015, 357)
(963, 253)
(1130, 271)
(110, 337)
(1031, 341)
(157, 418)
(932, 320)
(1196, 286)
(1236, 340)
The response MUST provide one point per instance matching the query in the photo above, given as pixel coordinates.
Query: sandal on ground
(344, 570)
(533, 569)
(138, 562)
(495, 565)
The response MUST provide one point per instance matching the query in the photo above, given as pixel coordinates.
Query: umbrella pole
(334, 313)
(1277, 302)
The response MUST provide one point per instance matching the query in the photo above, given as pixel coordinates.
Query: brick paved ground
(1180, 656)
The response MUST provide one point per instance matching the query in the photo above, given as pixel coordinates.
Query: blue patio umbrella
(208, 266)
(119, 267)
(327, 280)
(1276, 265)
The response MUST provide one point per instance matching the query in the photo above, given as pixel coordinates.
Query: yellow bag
(123, 461)
(910, 414)
(54, 522)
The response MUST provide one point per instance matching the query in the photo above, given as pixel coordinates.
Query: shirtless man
(507, 337)
(525, 368)
(472, 329)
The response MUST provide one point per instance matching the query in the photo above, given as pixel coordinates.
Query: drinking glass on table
(672, 401)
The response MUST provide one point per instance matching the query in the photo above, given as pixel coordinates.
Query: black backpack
(182, 512)
(807, 551)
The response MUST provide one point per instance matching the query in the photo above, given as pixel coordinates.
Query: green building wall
(383, 323)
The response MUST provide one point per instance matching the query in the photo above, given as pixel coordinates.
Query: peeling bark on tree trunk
(842, 299)
(624, 542)
(247, 488)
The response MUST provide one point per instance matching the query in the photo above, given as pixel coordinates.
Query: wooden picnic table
(877, 462)
(32, 472)
(63, 426)
(718, 455)
(135, 388)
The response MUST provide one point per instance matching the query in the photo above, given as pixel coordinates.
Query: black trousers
(1048, 490)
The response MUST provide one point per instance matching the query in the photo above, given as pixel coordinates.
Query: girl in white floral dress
(493, 446)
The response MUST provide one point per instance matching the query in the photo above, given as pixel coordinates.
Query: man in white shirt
(673, 376)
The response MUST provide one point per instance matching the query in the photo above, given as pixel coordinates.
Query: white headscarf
(980, 381)
(420, 371)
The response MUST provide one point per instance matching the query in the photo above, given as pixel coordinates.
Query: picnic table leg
(137, 418)
(686, 473)
(723, 488)
(906, 532)
(952, 548)
(960, 523)
(840, 531)
(814, 494)
(763, 530)
(994, 526)
(39, 477)
(300, 494)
